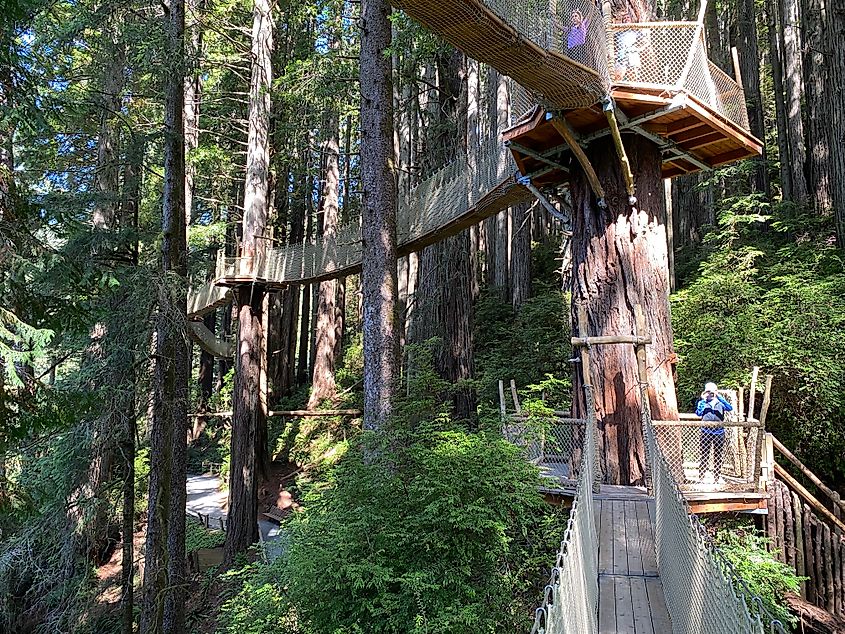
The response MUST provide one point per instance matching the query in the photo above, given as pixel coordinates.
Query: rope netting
(555, 444)
(703, 593)
(672, 56)
(555, 48)
(570, 599)
(439, 201)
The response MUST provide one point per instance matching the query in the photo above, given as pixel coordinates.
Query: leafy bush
(527, 345)
(198, 536)
(424, 527)
(765, 576)
(259, 604)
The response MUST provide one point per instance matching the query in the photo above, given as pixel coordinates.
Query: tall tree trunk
(165, 578)
(794, 84)
(193, 88)
(620, 260)
(520, 265)
(836, 96)
(249, 402)
(129, 219)
(205, 379)
(745, 36)
(323, 385)
(7, 154)
(817, 81)
(378, 228)
(775, 55)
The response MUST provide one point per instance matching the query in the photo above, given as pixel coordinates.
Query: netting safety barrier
(555, 48)
(706, 457)
(570, 599)
(555, 444)
(672, 56)
(437, 202)
(703, 593)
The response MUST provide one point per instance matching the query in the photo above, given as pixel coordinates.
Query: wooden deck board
(631, 599)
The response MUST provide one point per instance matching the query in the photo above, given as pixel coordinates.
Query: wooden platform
(692, 136)
(631, 598)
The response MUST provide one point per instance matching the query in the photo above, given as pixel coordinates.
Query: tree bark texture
(818, 82)
(247, 410)
(249, 401)
(620, 260)
(165, 575)
(794, 84)
(745, 36)
(323, 384)
(836, 95)
(378, 178)
(776, 55)
(520, 265)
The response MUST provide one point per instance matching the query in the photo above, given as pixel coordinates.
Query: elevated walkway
(631, 597)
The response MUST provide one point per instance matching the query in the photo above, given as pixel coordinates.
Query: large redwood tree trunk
(619, 260)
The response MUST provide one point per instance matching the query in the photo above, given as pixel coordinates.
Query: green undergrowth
(198, 536)
(765, 577)
(774, 299)
(425, 527)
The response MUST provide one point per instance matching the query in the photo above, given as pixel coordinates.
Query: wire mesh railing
(553, 443)
(672, 56)
(570, 599)
(703, 593)
(706, 457)
(435, 203)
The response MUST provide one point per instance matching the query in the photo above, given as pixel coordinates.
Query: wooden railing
(806, 533)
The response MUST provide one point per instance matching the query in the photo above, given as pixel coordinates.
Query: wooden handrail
(809, 497)
(812, 477)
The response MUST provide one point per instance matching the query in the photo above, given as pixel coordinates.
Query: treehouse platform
(691, 135)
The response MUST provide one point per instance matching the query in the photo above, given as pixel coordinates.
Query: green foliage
(198, 536)
(776, 300)
(425, 527)
(258, 603)
(19, 344)
(742, 545)
(528, 345)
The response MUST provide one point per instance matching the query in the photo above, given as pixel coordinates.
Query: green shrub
(424, 527)
(198, 536)
(744, 547)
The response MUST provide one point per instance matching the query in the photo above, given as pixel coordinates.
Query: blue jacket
(714, 410)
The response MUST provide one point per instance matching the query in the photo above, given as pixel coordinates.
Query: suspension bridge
(632, 561)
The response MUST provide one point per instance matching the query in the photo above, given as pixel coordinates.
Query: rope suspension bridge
(629, 562)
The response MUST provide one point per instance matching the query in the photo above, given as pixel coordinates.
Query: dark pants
(711, 439)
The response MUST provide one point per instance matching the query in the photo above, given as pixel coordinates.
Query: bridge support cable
(703, 593)
(570, 600)
(525, 181)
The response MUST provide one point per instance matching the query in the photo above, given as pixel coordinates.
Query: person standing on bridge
(576, 37)
(712, 407)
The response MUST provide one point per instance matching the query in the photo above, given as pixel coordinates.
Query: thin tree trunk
(749, 59)
(620, 260)
(836, 95)
(165, 577)
(249, 402)
(323, 384)
(378, 279)
(520, 265)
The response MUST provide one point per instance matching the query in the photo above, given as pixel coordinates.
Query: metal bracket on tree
(610, 112)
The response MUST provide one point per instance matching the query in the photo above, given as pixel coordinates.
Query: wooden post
(642, 369)
(752, 394)
(763, 412)
(515, 398)
(502, 408)
(741, 396)
(586, 376)
(737, 70)
(809, 553)
(837, 570)
(788, 528)
(800, 570)
(830, 603)
(562, 126)
(778, 504)
(818, 569)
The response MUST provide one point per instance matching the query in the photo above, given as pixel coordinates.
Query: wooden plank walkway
(631, 599)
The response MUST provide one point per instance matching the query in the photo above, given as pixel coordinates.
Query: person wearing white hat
(712, 407)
